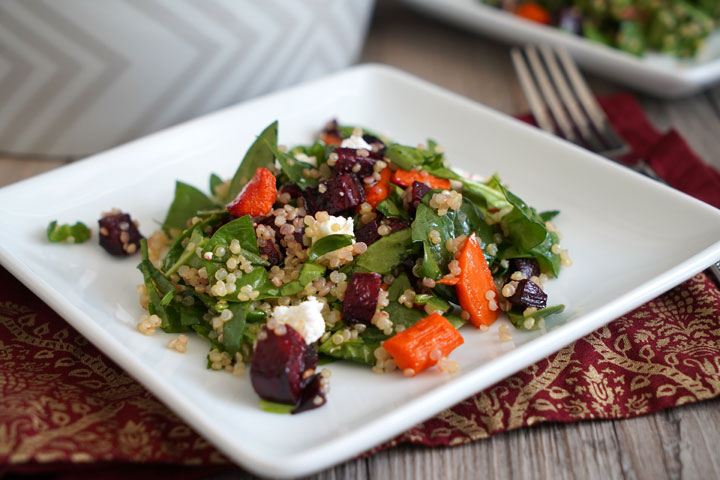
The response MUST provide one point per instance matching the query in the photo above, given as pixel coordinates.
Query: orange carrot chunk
(330, 139)
(534, 12)
(406, 178)
(377, 193)
(449, 281)
(422, 345)
(257, 197)
(475, 283)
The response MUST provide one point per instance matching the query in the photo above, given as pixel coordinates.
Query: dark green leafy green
(386, 253)
(77, 233)
(360, 350)
(176, 249)
(188, 201)
(328, 244)
(400, 314)
(392, 206)
(549, 215)
(294, 169)
(215, 182)
(518, 319)
(240, 229)
(408, 157)
(309, 272)
(259, 154)
(196, 240)
(234, 328)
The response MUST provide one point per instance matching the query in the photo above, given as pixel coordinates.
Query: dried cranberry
(118, 234)
(312, 395)
(342, 193)
(528, 294)
(368, 233)
(292, 189)
(348, 158)
(527, 266)
(270, 250)
(361, 298)
(418, 191)
(278, 365)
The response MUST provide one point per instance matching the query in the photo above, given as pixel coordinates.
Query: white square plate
(658, 74)
(630, 238)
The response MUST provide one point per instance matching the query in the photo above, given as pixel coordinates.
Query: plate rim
(330, 452)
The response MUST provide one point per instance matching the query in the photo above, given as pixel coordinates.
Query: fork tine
(593, 109)
(577, 115)
(535, 101)
(556, 108)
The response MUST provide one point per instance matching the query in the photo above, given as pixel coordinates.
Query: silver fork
(559, 97)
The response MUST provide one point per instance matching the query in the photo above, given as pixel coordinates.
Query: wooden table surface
(678, 443)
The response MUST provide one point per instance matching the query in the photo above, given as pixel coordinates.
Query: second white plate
(657, 74)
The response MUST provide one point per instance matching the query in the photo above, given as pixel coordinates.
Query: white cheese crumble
(336, 226)
(355, 141)
(305, 318)
(301, 157)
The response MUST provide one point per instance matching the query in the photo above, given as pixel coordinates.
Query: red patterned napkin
(67, 409)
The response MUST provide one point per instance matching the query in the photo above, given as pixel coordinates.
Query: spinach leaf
(77, 233)
(454, 223)
(294, 169)
(204, 331)
(234, 328)
(215, 182)
(400, 314)
(386, 253)
(328, 244)
(177, 249)
(392, 206)
(408, 157)
(196, 240)
(187, 202)
(258, 155)
(258, 279)
(548, 215)
(518, 319)
(309, 272)
(318, 150)
(548, 261)
(360, 350)
(522, 223)
(240, 229)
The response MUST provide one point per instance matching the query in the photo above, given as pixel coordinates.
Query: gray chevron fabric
(79, 76)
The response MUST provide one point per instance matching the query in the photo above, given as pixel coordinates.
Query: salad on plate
(351, 248)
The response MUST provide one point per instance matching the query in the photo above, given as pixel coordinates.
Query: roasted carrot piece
(405, 178)
(475, 283)
(533, 11)
(257, 197)
(422, 345)
(377, 193)
(330, 139)
(449, 281)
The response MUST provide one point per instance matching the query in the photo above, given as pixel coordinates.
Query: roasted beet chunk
(290, 188)
(270, 252)
(375, 143)
(528, 294)
(419, 190)
(312, 395)
(348, 158)
(342, 193)
(368, 233)
(278, 365)
(118, 233)
(527, 266)
(361, 298)
(396, 224)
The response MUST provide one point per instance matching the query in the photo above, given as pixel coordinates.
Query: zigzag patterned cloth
(65, 407)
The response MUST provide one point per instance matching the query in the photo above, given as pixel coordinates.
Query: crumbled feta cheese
(336, 226)
(301, 157)
(355, 141)
(305, 318)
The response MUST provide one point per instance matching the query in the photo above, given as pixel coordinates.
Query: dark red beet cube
(292, 189)
(312, 395)
(278, 366)
(361, 298)
(397, 224)
(342, 193)
(348, 158)
(368, 233)
(529, 294)
(527, 266)
(118, 234)
(419, 190)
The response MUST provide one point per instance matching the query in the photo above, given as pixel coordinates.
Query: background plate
(630, 238)
(661, 75)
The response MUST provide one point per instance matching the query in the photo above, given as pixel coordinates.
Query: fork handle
(641, 166)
